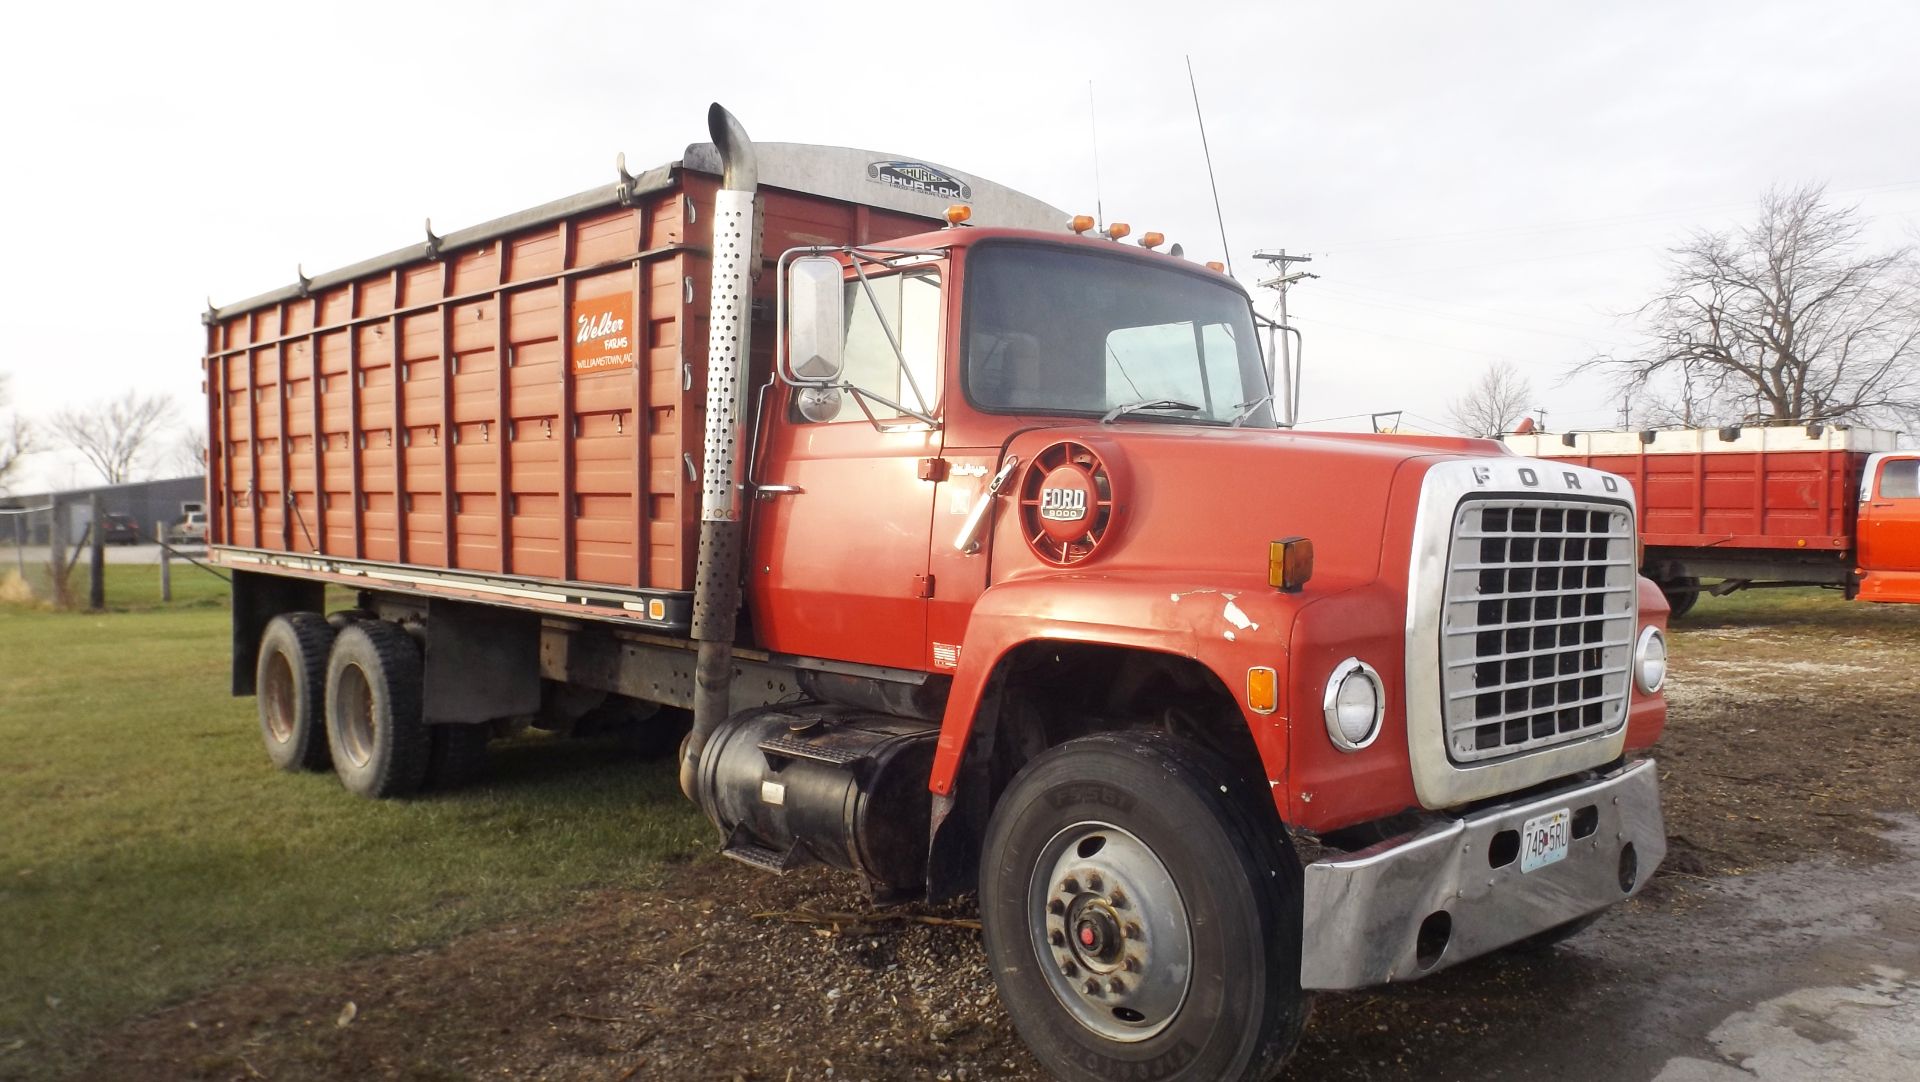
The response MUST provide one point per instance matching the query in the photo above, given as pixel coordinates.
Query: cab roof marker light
(958, 214)
(1118, 230)
(1151, 241)
(1080, 223)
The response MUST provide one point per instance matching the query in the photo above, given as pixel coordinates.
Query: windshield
(1058, 331)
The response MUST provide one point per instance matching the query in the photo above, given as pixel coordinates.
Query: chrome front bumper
(1375, 916)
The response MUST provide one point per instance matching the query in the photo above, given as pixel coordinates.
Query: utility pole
(1284, 382)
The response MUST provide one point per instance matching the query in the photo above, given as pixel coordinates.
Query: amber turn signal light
(1118, 230)
(1153, 240)
(958, 213)
(1289, 563)
(1080, 223)
(1263, 690)
(1216, 266)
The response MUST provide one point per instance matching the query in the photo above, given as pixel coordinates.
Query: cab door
(1889, 529)
(842, 517)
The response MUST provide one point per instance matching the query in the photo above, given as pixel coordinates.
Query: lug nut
(1133, 930)
(1070, 886)
(1057, 938)
(1093, 987)
(1068, 969)
(1117, 986)
(1095, 883)
(1118, 898)
(1131, 965)
(1057, 907)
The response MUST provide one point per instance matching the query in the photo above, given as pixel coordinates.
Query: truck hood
(1206, 501)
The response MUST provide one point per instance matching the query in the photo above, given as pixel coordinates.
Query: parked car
(120, 529)
(191, 530)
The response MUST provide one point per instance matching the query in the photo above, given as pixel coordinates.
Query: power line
(1588, 338)
(1456, 268)
(1347, 284)
(1589, 223)
(1418, 341)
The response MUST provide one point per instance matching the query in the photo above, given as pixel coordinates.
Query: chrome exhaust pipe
(716, 591)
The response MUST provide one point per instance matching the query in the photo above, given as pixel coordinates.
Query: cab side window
(1900, 479)
(909, 304)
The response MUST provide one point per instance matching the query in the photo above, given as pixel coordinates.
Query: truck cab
(1889, 528)
(1047, 469)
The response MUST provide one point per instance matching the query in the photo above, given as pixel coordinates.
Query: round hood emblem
(1067, 503)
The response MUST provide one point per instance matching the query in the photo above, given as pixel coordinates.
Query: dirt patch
(1788, 731)
(722, 974)
(1787, 737)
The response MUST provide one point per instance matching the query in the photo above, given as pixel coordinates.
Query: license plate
(1543, 840)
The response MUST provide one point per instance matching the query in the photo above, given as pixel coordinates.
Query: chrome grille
(1537, 632)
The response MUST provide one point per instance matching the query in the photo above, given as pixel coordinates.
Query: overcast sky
(1476, 182)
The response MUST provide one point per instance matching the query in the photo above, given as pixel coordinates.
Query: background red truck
(1814, 505)
(979, 562)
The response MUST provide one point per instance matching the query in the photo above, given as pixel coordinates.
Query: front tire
(1141, 913)
(379, 739)
(290, 679)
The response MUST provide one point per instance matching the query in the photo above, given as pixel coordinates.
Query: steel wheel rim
(353, 714)
(276, 696)
(1110, 929)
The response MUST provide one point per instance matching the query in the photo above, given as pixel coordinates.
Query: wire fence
(27, 571)
(48, 553)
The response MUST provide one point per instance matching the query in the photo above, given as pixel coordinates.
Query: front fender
(1647, 714)
(1228, 629)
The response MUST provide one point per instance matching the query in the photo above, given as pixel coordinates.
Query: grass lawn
(147, 849)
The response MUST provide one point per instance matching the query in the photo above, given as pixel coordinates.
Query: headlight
(1354, 705)
(1650, 660)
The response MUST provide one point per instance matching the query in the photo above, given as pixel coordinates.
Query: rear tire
(1182, 908)
(458, 757)
(290, 680)
(378, 738)
(1682, 594)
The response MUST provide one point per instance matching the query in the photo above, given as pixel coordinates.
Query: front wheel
(1141, 913)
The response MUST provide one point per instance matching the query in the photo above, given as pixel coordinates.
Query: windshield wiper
(1247, 408)
(1118, 412)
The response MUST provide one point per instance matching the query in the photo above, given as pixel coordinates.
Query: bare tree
(16, 437)
(1494, 403)
(1783, 321)
(115, 434)
(188, 452)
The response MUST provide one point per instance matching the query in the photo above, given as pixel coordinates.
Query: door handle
(968, 542)
(768, 492)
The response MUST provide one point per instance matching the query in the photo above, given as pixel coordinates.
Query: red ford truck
(1815, 505)
(961, 541)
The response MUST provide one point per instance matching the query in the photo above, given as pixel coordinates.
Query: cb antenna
(1093, 128)
(1202, 121)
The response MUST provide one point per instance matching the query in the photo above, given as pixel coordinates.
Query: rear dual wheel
(375, 729)
(290, 679)
(1137, 937)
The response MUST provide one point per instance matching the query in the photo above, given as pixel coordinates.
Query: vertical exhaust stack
(716, 592)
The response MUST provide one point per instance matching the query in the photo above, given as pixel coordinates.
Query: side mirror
(816, 319)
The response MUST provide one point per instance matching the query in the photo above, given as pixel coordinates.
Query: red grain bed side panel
(525, 406)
